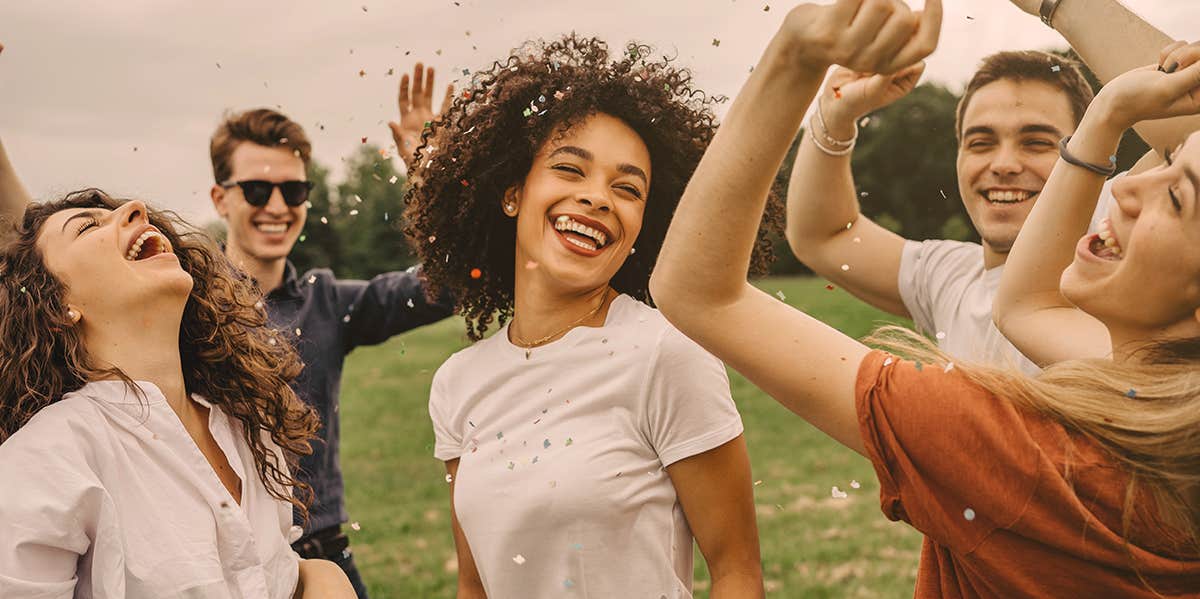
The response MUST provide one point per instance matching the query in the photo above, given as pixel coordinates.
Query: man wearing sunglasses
(260, 159)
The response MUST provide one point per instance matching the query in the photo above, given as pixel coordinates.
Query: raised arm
(416, 109)
(1112, 39)
(824, 226)
(804, 364)
(13, 196)
(1029, 302)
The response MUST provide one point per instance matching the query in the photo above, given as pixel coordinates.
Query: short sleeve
(926, 269)
(953, 460)
(447, 440)
(43, 519)
(689, 409)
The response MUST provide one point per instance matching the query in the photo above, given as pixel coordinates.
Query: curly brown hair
(229, 357)
(486, 141)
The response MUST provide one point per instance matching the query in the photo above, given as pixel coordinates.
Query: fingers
(894, 34)
(924, 42)
(429, 85)
(1180, 56)
(418, 81)
(908, 76)
(1165, 52)
(1186, 82)
(866, 26)
(448, 99)
(844, 11)
(403, 99)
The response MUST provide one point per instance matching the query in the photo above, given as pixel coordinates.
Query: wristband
(1069, 158)
(1047, 11)
(829, 139)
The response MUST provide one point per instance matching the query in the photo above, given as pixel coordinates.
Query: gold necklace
(529, 345)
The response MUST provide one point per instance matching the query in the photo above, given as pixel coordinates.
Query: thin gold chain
(536, 342)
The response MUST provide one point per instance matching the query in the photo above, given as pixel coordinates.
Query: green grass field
(813, 545)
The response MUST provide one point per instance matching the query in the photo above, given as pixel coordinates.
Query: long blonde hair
(1144, 411)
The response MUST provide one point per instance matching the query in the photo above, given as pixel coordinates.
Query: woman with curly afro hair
(146, 423)
(587, 441)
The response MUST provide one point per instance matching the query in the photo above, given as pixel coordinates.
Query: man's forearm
(1112, 39)
(13, 196)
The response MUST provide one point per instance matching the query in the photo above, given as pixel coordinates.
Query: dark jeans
(330, 544)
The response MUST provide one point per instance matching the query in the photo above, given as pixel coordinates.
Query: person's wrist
(1095, 140)
(793, 47)
(1106, 114)
(840, 120)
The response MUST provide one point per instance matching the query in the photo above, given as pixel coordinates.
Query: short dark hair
(261, 126)
(1030, 65)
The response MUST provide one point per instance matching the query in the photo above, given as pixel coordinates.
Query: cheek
(1042, 164)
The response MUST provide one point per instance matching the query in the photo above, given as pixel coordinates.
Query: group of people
(176, 435)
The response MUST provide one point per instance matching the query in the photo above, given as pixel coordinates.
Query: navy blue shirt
(327, 318)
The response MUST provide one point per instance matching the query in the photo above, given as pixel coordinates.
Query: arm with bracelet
(825, 229)
(1029, 302)
(13, 196)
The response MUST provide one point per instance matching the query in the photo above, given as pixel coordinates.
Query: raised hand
(1168, 89)
(416, 109)
(848, 95)
(870, 36)
(1030, 6)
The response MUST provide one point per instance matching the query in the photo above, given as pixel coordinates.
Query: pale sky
(83, 83)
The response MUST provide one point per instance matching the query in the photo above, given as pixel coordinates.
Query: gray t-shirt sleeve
(931, 272)
(689, 409)
(914, 282)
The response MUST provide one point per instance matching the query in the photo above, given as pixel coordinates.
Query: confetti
(364, 140)
(757, 482)
(830, 287)
(838, 493)
(297, 331)
(362, 73)
(940, 335)
(432, 238)
(866, 120)
(449, 479)
(354, 213)
(558, 95)
(577, 546)
(476, 273)
(271, 341)
(531, 265)
(949, 366)
(346, 318)
(393, 179)
(887, 362)
(527, 112)
(716, 42)
(845, 267)
(969, 514)
(1132, 393)
(855, 484)
(837, 93)
(1056, 68)
(943, 194)
(546, 444)
(499, 435)
(355, 526)
(324, 220)
(569, 442)
(919, 366)
(519, 559)
(512, 465)
(568, 583)
(781, 296)
(857, 240)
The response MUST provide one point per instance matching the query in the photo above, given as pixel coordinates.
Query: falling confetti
(1056, 68)
(845, 267)
(838, 493)
(499, 435)
(949, 367)
(568, 583)
(569, 442)
(519, 559)
(546, 444)
(969, 514)
(355, 526)
(716, 42)
(449, 479)
(364, 140)
(940, 335)
(393, 180)
(855, 484)
(757, 482)
(476, 273)
(409, 302)
(888, 362)
(297, 332)
(781, 296)
(354, 213)
(1132, 393)
(531, 265)
(830, 287)
(512, 465)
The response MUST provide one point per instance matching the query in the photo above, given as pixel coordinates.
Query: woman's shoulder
(60, 433)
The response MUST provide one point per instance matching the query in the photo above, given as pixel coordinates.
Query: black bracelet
(1067, 157)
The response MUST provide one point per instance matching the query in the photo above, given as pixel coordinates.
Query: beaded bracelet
(830, 151)
(1069, 158)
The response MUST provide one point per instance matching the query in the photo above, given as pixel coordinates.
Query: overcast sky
(84, 83)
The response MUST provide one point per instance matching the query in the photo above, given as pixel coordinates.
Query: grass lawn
(813, 545)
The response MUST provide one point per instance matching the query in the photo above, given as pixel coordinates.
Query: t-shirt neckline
(567, 341)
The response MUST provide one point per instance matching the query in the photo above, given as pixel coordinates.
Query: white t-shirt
(561, 488)
(949, 294)
(105, 495)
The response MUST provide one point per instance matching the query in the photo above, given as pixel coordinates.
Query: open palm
(416, 111)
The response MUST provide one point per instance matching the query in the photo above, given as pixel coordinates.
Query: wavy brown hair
(486, 141)
(229, 356)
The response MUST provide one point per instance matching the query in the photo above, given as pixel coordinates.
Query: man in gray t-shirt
(1013, 113)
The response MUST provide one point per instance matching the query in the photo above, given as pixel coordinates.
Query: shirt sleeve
(1104, 203)
(389, 304)
(926, 268)
(447, 442)
(953, 460)
(689, 409)
(45, 510)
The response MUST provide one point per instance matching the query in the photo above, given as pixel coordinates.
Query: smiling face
(1010, 134)
(113, 263)
(1141, 272)
(580, 208)
(264, 233)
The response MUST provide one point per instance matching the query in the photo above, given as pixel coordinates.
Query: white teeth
(566, 223)
(581, 244)
(136, 248)
(272, 227)
(1006, 196)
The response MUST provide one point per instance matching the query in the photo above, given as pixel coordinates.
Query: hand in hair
(1168, 89)
(415, 111)
(873, 36)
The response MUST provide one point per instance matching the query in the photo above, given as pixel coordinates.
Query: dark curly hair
(229, 357)
(486, 141)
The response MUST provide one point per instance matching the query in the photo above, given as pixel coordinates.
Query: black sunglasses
(258, 193)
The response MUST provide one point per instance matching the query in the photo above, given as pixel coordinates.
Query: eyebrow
(1034, 128)
(1169, 157)
(86, 213)
(623, 168)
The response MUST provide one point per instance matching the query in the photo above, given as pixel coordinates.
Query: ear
(1196, 314)
(217, 193)
(511, 203)
(73, 314)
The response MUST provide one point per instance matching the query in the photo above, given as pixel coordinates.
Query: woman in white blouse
(145, 417)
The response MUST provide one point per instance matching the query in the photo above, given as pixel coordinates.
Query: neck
(268, 272)
(543, 314)
(992, 258)
(152, 355)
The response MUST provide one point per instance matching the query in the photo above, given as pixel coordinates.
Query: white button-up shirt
(105, 495)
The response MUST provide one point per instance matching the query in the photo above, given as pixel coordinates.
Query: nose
(1006, 161)
(275, 203)
(133, 213)
(1127, 193)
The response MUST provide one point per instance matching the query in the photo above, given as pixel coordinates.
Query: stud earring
(510, 208)
(72, 314)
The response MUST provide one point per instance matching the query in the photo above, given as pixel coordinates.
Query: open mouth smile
(149, 244)
(1104, 243)
(272, 228)
(583, 233)
(1007, 196)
